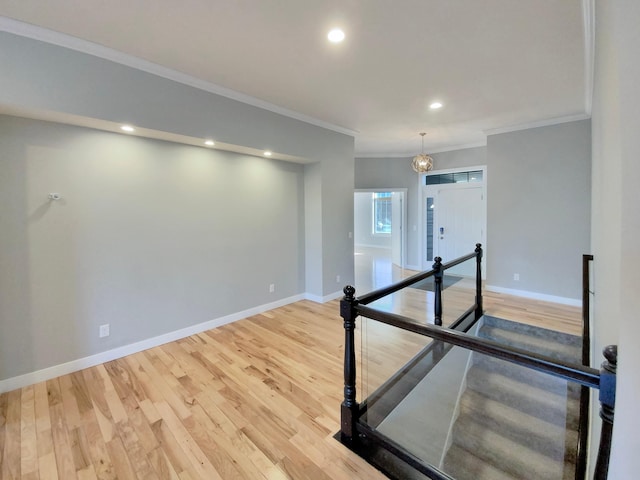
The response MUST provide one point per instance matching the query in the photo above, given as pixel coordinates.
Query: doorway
(454, 215)
(379, 236)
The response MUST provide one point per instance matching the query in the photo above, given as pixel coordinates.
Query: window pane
(446, 178)
(382, 213)
(430, 229)
(433, 179)
(461, 177)
(475, 176)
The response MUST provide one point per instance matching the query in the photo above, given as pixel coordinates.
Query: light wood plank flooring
(255, 399)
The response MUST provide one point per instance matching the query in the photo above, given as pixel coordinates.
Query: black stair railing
(351, 307)
(585, 408)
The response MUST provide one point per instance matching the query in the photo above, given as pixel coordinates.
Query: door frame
(403, 232)
(425, 191)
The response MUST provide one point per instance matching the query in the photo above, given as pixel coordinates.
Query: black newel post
(607, 403)
(349, 408)
(479, 307)
(437, 302)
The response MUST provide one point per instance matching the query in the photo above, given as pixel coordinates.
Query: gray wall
(616, 218)
(40, 77)
(149, 237)
(538, 208)
(397, 173)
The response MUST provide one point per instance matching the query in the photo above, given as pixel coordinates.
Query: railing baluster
(437, 291)
(607, 402)
(349, 407)
(479, 307)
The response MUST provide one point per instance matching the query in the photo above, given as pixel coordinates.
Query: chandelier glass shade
(422, 163)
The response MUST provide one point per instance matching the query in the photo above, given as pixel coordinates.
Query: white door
(458, 224)
(397, 227)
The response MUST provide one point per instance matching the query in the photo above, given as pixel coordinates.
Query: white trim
(440, 171)
(574, 302)
(450, 148)
(325, 299)
(372, 246)
(540, 123)
(589, 23)
(34, 32)
(119, 352)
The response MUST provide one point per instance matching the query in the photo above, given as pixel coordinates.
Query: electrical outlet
(337, 278)
(104, 330)
(272, 287)
(516, 277)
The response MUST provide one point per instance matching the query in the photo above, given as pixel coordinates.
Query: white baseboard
(325, 299)
(536, 296)
(119, 352)
(365, 245)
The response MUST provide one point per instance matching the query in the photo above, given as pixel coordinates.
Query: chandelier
(422, 163)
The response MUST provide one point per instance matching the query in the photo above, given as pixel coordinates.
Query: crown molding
(429, 151)
(541, 123)
(589, 23)
(34, 32)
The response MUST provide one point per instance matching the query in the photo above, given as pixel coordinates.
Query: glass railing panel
(477, 417)
(418, 409)
(383, 352)
(514, 421)
(458, 290)
(415, 303)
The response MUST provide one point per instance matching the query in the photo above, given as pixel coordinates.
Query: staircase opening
(466, 395)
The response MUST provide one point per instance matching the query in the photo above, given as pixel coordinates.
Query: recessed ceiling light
(267, 153)
(209, 143)
(435, 105)
(336, 35)
(127, 128)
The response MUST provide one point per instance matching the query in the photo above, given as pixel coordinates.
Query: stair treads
(545, 346)
(537, 434)
(571, 342)
(526, 375)
(463, 465)
(514, 458)
(548, 406)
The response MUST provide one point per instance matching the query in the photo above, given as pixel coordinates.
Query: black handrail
(459, 260)
(350, 407)
(581, 374)
(607, 406)
(351, 307)
(367, 298)
(586, 334)
(585, 396)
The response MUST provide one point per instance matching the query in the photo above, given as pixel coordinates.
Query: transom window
(458, 177)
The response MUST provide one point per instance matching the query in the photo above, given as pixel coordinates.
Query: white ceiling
(495, 64)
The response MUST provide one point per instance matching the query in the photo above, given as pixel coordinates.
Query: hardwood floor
(258, 398)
